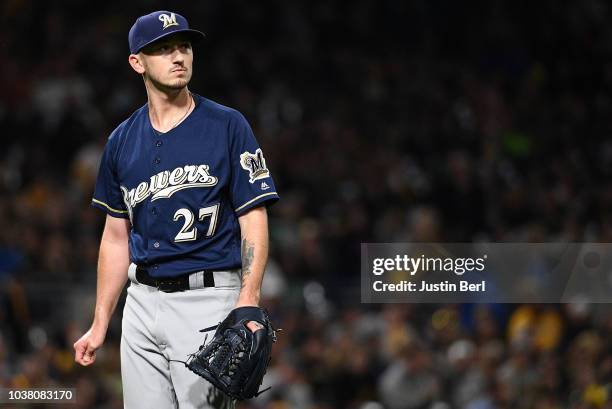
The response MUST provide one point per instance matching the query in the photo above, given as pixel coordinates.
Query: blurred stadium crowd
(381, 121)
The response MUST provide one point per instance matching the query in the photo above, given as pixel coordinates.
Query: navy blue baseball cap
(157, 25)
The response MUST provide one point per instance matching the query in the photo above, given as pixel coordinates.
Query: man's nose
(177, 54)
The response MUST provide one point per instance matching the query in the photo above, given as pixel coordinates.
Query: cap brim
(194, 36)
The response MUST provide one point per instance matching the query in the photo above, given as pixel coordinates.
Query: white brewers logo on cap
(168, 20)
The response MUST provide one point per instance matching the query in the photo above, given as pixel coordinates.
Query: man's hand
(254, 326)
(113, 264)
(85, 348)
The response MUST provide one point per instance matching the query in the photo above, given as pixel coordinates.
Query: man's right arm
(113, 263)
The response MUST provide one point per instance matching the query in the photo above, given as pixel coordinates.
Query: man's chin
(174, 85)
(177, 85)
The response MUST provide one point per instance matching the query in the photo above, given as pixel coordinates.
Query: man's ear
(136, 63)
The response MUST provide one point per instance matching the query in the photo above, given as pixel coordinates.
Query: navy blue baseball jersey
(184, 190)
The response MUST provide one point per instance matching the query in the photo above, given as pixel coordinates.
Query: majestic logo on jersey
(255, 164)
(168, 20)
(166, 183)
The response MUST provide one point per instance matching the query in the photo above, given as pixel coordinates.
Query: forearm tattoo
(248, 252)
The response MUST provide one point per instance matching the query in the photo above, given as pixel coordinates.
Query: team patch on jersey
(255, 164)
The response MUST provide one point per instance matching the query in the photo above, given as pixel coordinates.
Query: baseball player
(185, 186)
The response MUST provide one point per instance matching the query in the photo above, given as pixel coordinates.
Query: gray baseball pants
(158, 327)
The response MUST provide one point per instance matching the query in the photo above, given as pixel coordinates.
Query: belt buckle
(167, 286)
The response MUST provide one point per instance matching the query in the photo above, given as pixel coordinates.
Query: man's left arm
(254, 252)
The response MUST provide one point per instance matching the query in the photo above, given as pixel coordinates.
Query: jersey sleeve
(251, 181)
(107, 194)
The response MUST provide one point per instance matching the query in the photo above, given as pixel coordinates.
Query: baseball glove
(236, 359)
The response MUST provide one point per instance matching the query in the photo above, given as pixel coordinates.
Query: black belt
(171, 284)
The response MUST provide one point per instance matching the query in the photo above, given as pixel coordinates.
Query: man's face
(168, 63)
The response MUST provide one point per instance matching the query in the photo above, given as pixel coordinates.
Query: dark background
(381, 121)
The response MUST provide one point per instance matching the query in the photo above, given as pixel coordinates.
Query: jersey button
(156, 160)
(156, 244)
(159, 143)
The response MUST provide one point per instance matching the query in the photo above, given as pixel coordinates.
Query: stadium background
(381, 121)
